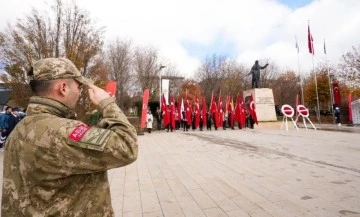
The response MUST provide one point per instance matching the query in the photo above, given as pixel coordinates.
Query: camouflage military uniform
(57, 166)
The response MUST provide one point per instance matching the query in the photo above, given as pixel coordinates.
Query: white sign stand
(304, 112)
(288, 112)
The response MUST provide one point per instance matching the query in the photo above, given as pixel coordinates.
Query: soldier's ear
(62, 88)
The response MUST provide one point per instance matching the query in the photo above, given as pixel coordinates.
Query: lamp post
(159, 70)
(331, 76)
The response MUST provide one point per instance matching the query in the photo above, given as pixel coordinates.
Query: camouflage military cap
(57, 68)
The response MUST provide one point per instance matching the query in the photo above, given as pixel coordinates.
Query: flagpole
(301, 79)
(310, 40)
(317, 94)
(330, 89)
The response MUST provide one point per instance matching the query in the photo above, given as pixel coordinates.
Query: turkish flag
(231, 112)
(350, 109)
(336, 91)
(188, 111)
(238, 110)
(166, 114)
(252, 109)
(243, 113)
(144, 108)
(204, 111)
(197, 112)
(111, 88)
(172, 110)
(310, 42)
(220, 113)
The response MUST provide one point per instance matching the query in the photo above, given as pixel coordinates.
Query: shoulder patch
(89, 137)
(79, 132)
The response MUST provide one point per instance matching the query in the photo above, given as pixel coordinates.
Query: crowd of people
(8, 121)
(197, 121)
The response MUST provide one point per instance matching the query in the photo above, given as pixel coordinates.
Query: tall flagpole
(317, 94)
(301, 78)
(315, 74)
(330, 89)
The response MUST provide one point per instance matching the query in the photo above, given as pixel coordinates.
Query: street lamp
(159, 70)
(331, 77)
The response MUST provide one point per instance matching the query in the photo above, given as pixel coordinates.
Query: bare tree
(120, 60)
(269, 73)
(349, 68)
(285, 88)
(233, 78)
(210, 75)
(68, 32)
(147, 70)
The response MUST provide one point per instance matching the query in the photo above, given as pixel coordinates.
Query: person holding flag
(203, 119)
(165, 112)
(251, 113)
(243, 113)
(187, 112)
(171, 125)
(238, 112)
(197, 112)
(231, 115)
(221, 114)
(214, 111)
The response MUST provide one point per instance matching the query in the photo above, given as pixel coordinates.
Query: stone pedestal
(264, 103)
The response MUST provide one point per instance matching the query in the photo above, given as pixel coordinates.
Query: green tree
(322, 86)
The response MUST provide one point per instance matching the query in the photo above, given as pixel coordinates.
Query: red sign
(350, 109)
(111, 88)
(287, 110)
(79, 132)
(336, 91)
(144, 108)
(303, 111)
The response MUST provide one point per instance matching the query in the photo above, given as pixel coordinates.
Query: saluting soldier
(55, 165)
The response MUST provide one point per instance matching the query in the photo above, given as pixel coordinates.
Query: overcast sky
(186, 31)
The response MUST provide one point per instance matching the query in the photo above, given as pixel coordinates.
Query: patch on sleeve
(79, 132)
(93, 138)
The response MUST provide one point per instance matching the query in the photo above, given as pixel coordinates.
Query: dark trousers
(3, 138)
(158, 124)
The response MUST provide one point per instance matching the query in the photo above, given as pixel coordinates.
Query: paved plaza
(259, 173)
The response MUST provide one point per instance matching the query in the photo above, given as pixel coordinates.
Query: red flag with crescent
(111, 88)
(220, 113)
(203, 112)
(172, 110)
(144, 108)
(336, 91)
(252, 109)
(166, 114)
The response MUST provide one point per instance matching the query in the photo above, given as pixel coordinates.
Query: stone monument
(264, 103)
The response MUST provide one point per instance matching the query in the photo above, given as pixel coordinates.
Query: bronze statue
(255, 71)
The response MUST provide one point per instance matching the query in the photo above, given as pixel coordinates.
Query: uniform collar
(40, 105)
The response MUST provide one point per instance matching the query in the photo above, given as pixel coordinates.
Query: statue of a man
(255, 71)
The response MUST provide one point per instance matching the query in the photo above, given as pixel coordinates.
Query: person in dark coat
(208, 120)
(337, 116)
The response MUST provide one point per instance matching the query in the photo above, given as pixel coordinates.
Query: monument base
(264, 103)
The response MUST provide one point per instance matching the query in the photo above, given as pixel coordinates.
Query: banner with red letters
(144, 108)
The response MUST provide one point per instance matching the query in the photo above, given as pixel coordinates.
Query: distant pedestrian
(149, 121)
(158, 118)
(337, 116)
(208, 120)
(5, 126)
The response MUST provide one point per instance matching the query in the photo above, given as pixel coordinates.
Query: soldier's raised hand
(97, 94)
